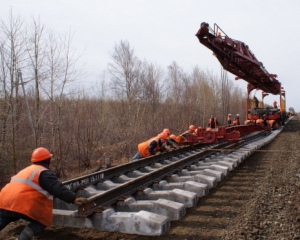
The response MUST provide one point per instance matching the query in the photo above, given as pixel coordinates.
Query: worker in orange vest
(171, 144)
(190, 131)
(229, 119)
(236, 120)
(179, 140)
(174, 140)
(262, 120)
(29, 195)
(273, 124)
(151, 146)
(213, 122)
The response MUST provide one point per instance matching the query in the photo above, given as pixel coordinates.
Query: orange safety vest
(273, 122)
(247, 121)
(180, 140)
(259, 121)
(25, 195)
(143, 148)
(215, 121)
(236, 121)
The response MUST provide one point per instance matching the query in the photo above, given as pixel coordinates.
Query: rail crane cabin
(236, 57)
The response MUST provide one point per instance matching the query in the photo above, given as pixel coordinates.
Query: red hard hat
(192, 127)
(164, 135)
(40, 154)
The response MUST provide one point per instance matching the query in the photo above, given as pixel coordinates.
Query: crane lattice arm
(236, 57)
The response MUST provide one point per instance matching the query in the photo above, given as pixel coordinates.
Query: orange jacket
(229, 119)
(215, 123)
(259, 121)
(180, 140)
(143, 148)
(25, 195)
(236, 121)
(273, 124)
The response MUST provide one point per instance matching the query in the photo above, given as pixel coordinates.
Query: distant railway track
(142, 197)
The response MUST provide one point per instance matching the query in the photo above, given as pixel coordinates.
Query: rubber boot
(26, 234)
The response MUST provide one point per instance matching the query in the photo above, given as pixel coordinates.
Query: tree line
(133, 100)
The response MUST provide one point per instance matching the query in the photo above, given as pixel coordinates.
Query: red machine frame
(236, 57)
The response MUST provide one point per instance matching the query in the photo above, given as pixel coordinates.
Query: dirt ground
(259, 200)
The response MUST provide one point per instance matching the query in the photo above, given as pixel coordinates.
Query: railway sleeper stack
(149, 211)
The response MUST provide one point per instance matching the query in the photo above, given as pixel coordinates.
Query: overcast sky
(163, 31)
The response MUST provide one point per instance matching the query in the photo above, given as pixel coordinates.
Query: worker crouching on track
(262, 121)
(190, 131)
(273, 124)
(178, 140)
(173, 140)
(170, 144)
(30, 193)
(151, 146)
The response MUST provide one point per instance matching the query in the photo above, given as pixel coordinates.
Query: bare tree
(152, 96)
(225, 94)
(125, 71)
(12, 55)
(62, 70)
(175, 92)
(36, 54)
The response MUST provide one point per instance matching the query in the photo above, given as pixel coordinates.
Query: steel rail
(101, 200)
(104, 199)
(102, 175)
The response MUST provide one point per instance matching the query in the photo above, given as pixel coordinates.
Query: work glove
(80, 201)
(157, 153)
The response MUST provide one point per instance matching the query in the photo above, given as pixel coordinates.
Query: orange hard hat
(40, 154)
(164, 135)
(166, 130)
(173, 137)
(192, 127)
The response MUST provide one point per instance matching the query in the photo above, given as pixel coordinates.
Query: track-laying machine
(236, 57)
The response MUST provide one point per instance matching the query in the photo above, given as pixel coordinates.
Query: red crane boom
(236, 57)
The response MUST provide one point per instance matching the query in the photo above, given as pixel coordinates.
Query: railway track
(143, 197)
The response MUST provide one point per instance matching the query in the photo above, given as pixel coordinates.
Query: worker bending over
(170, 144)
(190, 131)
(263, 120)
(151, 146)
(29, 195)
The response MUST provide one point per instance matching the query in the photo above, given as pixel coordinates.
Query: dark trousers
(7, 217)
